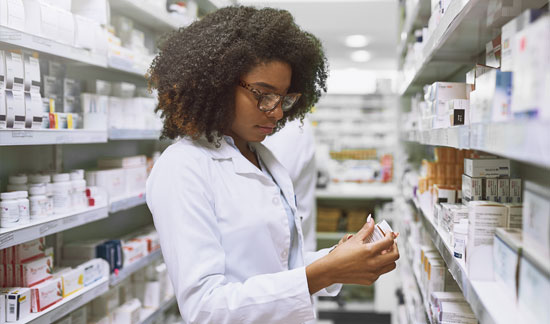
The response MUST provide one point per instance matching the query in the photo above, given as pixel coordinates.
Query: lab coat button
(284, 254)
(275, 201)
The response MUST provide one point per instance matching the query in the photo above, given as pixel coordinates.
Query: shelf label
(71, 219)
(42, 41)
(6, 239)
(8, 35)
(48, 227)
(21, 134)
(93, 216)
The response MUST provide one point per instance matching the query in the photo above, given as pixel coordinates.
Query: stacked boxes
(328, 219)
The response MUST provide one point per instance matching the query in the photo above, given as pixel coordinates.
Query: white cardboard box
(41, 19)
(506, 258)
(37, 271)
(472, 188)
(72, 280)
(487, 168)
(12, 14)
(536, 219)
(97, 10)
(14, 71)
(85, 31)
(128, 313)
(514, 217)
(66, 27)
(484, 217)
(534, 286)
(29, 251)
(94, 270)
(46, 294)
(18, 303)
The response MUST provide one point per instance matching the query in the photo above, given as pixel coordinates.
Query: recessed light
(360, 56)
(357, 41)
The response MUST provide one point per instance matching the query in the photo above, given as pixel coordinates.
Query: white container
(78, 196)
(61, 177)
(460, 237)
(39, 202)
(9, 209)
(19, 179)
(77, 174)
(23, 201)
(61, 197)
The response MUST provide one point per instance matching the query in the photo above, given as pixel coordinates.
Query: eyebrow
(265, 85)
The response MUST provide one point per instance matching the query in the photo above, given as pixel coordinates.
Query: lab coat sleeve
(329, 291)
(182, 204)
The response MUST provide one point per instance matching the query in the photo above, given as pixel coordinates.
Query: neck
(241, 144)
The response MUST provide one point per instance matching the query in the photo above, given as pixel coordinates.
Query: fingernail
(350, 236)
(369, 219)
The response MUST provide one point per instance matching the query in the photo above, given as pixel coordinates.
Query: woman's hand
(353, 261)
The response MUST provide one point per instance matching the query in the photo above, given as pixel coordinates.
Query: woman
(223, 206)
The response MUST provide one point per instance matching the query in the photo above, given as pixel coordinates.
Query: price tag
(21, 134)
(6, 239)
(71, 219)
(42, 41)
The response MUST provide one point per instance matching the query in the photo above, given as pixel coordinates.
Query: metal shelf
(354, 192)
(134, 134)
(12, 137)
(456, 42)
(17, 39)
(521, 140)
(69, 304)
(51, 225)
(158, 313)
(147, 14)
(125, 272)
(487, 299)
(127, 203)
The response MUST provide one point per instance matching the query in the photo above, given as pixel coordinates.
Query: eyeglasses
(269, 101)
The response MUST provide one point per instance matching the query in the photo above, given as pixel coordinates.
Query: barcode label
(12, 309)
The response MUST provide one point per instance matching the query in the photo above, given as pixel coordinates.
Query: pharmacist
(223, 206)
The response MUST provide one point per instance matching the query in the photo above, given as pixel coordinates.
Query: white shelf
(147, 14)
(418, 18)
(17, 39)
(357, 191)
(134, 134)
(521, 140)
(159, 312)
(487, 299)
(58, 223)
(456, 42)
(127, 203)
(69, 304)
(11, 137)
(125, 272)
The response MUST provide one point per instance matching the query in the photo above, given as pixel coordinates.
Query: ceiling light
(357, 41)
(360, 56)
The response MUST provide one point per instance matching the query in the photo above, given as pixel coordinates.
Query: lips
(266, 129)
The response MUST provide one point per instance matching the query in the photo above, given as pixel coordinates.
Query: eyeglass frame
(259, 95)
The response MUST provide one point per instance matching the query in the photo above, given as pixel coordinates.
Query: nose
(277, 113)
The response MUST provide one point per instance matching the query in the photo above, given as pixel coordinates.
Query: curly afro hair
(199, 66)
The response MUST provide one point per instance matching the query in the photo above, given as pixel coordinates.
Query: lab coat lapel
(279, 173)
(225, 152)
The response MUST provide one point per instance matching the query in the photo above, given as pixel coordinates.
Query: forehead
(275, 73)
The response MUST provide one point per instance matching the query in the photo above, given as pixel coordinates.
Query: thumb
(365, 231)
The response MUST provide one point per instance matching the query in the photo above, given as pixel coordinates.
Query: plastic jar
(39, 202)
(61, 177)
(9, 209)
(61, 197)
(23, 201)
(79, 193)
(77, 174)
(460, 237)
(49, 194)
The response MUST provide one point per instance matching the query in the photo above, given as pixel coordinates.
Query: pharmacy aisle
(474, 209)
(76, 239)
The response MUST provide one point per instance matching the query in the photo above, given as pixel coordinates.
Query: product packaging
(503, 191)
(379, 232)
(491, 189)
(37, 271)
(46, 294)
(534, 286)
(128, 313)
(472, 188)
(536, 219)
(515, 191)
(487, 168)
(133, 251)
(94, 270)
(506, 257)
(29, 251)
(484, 217)
(18, 303)
(514, 217)
(72, 280)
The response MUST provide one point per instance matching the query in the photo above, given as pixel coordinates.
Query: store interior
(436, 120)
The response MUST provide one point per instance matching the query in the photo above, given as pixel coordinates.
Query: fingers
(387, 268)
(384, 244)
(388, 257)
(366, 230)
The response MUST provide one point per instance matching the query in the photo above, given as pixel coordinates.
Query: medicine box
(534, 285)
(18, 304)
(37, 271)
(97, 10)
(472, 188)
(31, 67)
(72, 280)
(493, 52)
(12, 14)
(128, 313)
(136, 178)
(29, 251)
(450, 312)
(514, 217)
(15, 103)
(125, 162)
(487, 168)
(94, 270)
(515, 191)
(483, 217)
(46, 294)
(113, 180)
(491, 189)
(506, 257)
(111, 251)
(65, 27)
(133, 251)
(536, 219)
(503, 191)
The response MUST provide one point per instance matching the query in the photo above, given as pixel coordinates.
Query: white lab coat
(294, 147)
(225, 237)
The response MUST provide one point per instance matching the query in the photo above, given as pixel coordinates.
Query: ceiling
(332, 21)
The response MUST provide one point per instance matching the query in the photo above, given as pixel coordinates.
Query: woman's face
(252, 124)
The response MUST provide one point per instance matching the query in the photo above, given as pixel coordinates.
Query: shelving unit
(525, 141)
(51, 225)
(488, 301)
(126, 272)
(158, 313)
(367, 191)
(457, 41)
(69, 304)
(127, 203)
(12, 137)
(147, 14)
(417, 19)
(134, 134)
